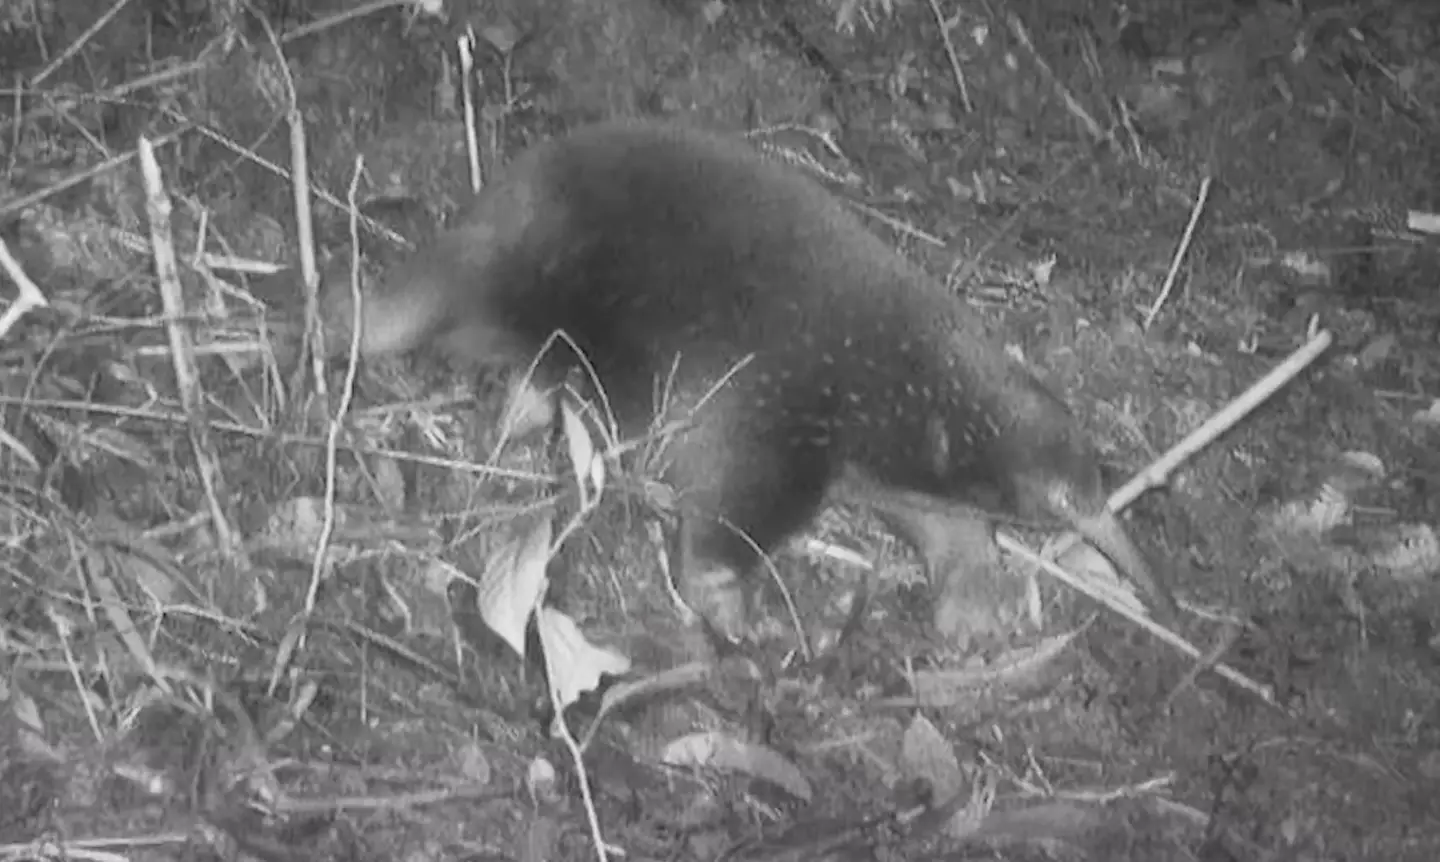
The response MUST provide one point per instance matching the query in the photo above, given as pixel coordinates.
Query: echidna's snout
(1105, 531)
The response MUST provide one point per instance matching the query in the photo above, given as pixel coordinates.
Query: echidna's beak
(1108, 535)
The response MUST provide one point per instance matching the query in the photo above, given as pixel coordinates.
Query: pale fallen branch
(1185, 240)
(1152, 476)
(955, 68)
(1158, 473)
(28, 297)
(467, 103)
(1104, 597)
(187, 376)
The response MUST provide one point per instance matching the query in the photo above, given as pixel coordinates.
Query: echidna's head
(1052, 471)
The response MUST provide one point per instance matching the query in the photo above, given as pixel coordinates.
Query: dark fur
(867, 380)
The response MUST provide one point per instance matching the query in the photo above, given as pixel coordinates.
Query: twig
(64, 629)
(173, 73)
(79, 43)
(15, 205)
(548, 649)
(895, 224)
(1227, 639)
(313, 341)
(340, 18)
(337, 423)
(313, 344)
(467, 99)
(961, 273)
(1071, 103)
(15, 111)
(371, 225)
(29, 296)
(113, 94)
(187, 379)
(1102, 596)
(270, 436)
(1158, 473)
(955, 68)
(1185, 240)
(582, 775)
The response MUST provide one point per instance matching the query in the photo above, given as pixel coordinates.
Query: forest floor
(1156, 211)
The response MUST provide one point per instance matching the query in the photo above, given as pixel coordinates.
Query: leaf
(21, 451)
(623, 692)
(1366, 463)
(728, 754)
(1088, 564)
(576, 665)
(1410, 552)
(389, 483)
(294, 525)
(29, 727)
(121, 445)
(1306, 267)
(502, 36)
(473, 764)
(528, 408)
(1429, 417)
(1082, 559)
(510, 588)
(587, 464)
(925, 754)
(121, 621)
(1013, 669)
(1041, 271)
(150, 577)
(713, 11)
(541, 781)
(426, 601)
(1375, 353)
(1423, 222)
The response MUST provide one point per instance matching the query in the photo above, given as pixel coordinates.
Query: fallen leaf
(514, 581)
(728, 754)
(576, 664)
(927, 755)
